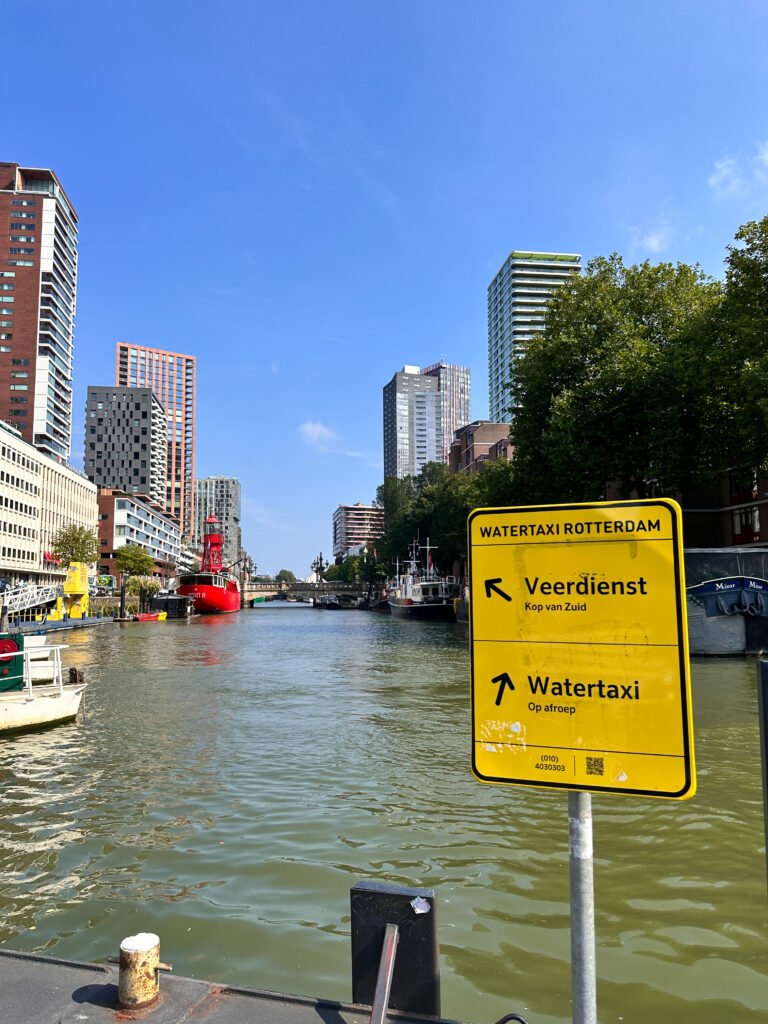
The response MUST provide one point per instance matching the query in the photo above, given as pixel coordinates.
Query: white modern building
(130, 519)
(355, 526)
(220, 496)
(413, 426)
(455, 400)
(38, 496)
(517, 305)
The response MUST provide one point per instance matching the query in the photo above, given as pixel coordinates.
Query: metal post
(583, 984)
(386, 971)
(762, 708)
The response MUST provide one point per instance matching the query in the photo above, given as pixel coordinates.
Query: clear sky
(308, 195)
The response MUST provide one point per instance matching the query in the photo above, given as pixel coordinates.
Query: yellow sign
(579, 642)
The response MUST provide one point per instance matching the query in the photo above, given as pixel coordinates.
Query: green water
(233, 777)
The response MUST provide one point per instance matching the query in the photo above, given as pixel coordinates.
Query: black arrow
(490, 585)
(505, 681)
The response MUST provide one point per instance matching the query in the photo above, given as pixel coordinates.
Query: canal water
(233, 777)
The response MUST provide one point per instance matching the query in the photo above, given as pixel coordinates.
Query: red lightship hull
(212, 594)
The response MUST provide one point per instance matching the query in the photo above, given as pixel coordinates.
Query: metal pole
(762, 708)
(386, 971)
(583, 984)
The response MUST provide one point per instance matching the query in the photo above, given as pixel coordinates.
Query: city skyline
(303, 220)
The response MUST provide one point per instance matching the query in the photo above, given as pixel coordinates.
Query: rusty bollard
(139, 979)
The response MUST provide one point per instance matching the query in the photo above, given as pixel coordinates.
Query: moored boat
(423, 594)
(213, 589)
(25, 704)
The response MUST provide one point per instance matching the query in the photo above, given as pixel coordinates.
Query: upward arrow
(490, 587)
(505, 681)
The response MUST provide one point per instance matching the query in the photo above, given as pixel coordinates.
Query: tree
(618, 389)
(134, 560)
(148, 584)
(285, 576)
(743, 357)
(75, 544)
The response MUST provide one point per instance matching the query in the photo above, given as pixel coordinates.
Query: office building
(38, 287)
(38, 496)
(171, 376)
(125, 441)
(455, 404)
(517, 304)
(413, 432)
(354, 526)
(131, 519)
(220, 496)
(479, 442)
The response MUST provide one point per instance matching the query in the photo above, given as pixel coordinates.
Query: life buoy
(8, 648)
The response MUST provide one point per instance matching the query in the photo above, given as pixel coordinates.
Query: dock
(137, 986)
(36, 989)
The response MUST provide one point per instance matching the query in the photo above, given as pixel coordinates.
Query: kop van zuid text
(589, 528)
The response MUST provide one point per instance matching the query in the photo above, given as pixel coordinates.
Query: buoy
(139, 978)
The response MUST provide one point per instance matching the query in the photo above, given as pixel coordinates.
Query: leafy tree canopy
(76, 544)
(148, 584)
(285, 576)
(134, 560)
(619, 388)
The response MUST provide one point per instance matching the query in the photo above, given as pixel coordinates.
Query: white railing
(19, 599)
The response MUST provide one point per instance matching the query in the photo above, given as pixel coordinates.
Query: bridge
(300, 589)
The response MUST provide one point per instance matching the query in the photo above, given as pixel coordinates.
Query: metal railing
(24, 596)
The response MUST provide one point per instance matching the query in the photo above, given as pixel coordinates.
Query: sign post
(580, 677)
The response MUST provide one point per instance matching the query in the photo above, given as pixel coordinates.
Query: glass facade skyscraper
(517, 305)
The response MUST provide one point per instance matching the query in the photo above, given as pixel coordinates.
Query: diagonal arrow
(490, 585)
(505, 681)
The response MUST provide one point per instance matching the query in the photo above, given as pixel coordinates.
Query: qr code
(595, 766)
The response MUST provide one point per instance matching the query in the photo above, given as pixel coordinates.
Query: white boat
(423, 594)
(27, 704)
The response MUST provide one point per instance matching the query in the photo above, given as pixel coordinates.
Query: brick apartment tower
(38, 288)
(172, 377)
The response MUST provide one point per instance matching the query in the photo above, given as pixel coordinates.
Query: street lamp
(319, 566)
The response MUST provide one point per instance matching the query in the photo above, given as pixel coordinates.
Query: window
(22, 238)
(19, 362)
(21, 252)
(21, 263)
(23, 202)
(19, 387)
(19, 373)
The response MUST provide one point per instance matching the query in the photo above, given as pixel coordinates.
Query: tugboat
(424, 595)
(213, 590)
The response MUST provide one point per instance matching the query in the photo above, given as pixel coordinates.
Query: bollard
(139, 980)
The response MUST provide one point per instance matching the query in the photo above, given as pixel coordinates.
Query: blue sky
(308, 195)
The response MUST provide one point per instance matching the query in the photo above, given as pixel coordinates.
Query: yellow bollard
(139, 981)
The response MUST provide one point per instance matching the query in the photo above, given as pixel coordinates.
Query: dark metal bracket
(395, 953)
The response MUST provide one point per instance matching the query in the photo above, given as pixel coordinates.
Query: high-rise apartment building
(171, 376)
(517, 304)
(38, 287)
(413, 431)
(126, 441)
(356, 525)
(455, 404)
(220, 496)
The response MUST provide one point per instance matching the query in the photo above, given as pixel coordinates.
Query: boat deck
(34, 989)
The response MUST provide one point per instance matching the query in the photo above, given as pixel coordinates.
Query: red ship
(213, 590)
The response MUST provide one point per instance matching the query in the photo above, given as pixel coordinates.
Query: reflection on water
(233, 777)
